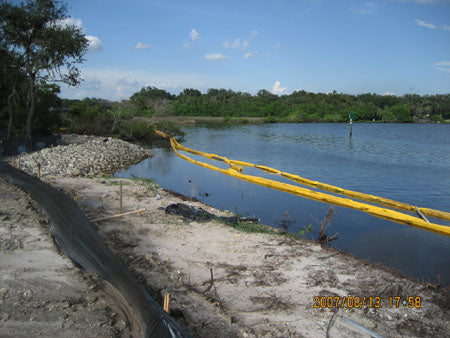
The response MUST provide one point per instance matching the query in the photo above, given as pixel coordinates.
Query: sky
(388, 47)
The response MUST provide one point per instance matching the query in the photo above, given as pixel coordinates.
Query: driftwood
(199, 214)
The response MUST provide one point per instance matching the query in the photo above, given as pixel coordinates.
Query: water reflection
(350, 144)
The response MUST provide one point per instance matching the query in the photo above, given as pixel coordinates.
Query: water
(17, 147)
(405, 162)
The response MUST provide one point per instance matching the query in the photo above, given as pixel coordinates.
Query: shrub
(270, 119)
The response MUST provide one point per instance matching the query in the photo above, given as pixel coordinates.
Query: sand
(42, 293)
(226, 282)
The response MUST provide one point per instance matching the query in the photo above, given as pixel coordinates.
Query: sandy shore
(223, 282)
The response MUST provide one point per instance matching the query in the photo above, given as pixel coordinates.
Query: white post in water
(351, 116)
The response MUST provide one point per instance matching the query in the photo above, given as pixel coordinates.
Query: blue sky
(385, 47)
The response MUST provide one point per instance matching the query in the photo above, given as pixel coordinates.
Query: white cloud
(213, 57)
(141, 45)
(389, 94)
(70, 21)
(364, 8)
(194, 35)
(94, 43)
(277, 89)
(247, 55)
(125, 85)
(235, 44)
(119, 83)
(424, 24)
(445, 27)
(276, 46)
(443, 66)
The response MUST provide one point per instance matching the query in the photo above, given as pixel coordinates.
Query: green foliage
(402, 113)
(333, 118)
(170, 128)
(437, 118)
(303, 232)
(270, 119)
(48, 108)
(302, 106)
(255, 228)
(39, 44)
(387, 115)
(243, 120)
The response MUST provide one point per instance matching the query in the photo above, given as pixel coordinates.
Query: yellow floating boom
(236, 170)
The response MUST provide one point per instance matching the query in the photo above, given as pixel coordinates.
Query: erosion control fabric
(76, 236)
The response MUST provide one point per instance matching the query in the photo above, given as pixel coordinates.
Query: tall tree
(11, 83)
(37, 33)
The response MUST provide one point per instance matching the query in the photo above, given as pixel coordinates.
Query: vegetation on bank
(36, 45)
(133, 119)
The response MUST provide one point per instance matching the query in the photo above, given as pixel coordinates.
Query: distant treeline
(300, 106)
(100, 116)
(303, 106)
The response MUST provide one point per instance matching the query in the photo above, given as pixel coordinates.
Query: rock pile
(94, 157)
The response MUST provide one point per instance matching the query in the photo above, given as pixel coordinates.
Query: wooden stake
(167, 302)
(118, 215)
(120, 196)
(39, 171)
(12, 162)
(18, 163)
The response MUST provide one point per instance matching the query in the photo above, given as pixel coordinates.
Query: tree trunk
(29, 125)
(11, 113)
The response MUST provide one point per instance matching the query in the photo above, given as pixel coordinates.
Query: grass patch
(144, 180)
(254, 228)
(148, 183)
(108, 176)
(116, 182)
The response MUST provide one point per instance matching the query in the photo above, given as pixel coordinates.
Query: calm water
(405, 162)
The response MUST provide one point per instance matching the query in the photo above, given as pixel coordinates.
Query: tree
(36, 32)
(11, 84)
(190, 92)
(402, 113)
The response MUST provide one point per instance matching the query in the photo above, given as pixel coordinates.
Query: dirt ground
(223, 282)
(42, 293)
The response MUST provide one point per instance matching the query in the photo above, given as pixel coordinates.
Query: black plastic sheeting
(76, 236)
(201, 215)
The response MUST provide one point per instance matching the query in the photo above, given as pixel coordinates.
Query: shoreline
(225, 282)
(186, 120)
